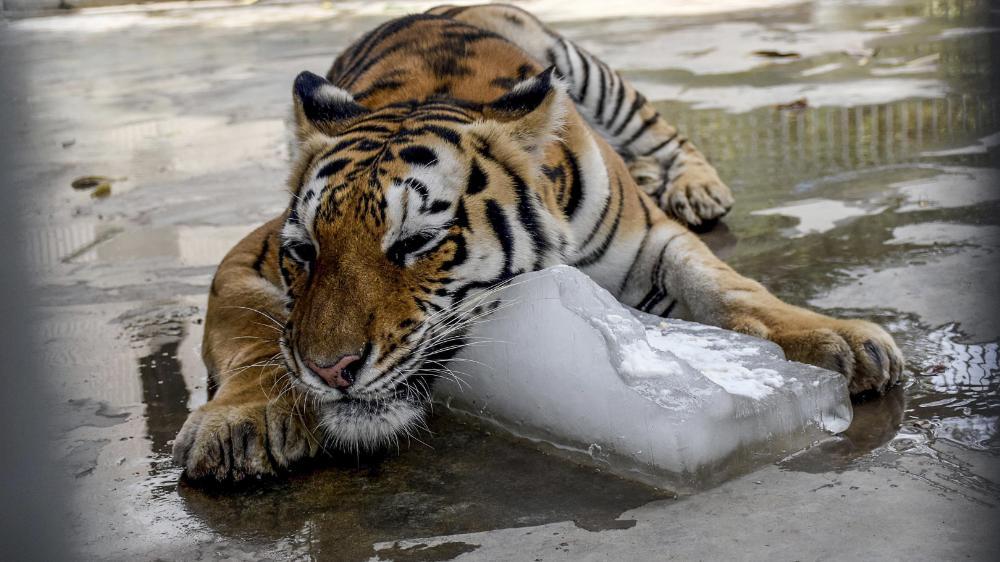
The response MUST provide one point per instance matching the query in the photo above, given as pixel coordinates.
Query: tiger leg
(675, 274)
(256, 422)
(667, 166)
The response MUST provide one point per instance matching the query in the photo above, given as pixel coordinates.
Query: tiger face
(403, 221)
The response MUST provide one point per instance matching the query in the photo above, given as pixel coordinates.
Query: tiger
(442, 155)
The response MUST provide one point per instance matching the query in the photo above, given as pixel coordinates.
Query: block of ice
(676, 404)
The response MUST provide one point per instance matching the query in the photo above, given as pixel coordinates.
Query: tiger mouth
(398, 393)
(369, 424)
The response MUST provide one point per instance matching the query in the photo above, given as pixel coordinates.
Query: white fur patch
(357, 425)
(443, 181)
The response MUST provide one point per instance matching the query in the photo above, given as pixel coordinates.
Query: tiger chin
(442, 155)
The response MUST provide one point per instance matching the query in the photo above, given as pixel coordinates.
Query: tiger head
(403, 221)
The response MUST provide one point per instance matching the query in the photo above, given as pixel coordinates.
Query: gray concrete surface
(876, 198)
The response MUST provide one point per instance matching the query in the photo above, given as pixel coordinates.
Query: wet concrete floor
(872, 193)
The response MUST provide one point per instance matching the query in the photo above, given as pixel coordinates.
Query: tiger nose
(339, 375)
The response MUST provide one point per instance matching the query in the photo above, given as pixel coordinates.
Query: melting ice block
(675, 404)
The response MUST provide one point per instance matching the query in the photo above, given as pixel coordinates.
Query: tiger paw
(696, 195)
(861, 351)
(234, 442)
(691, 192)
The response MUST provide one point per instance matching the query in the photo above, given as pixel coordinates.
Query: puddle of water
(938, 233)
(952, 281)
(981, 146)
(953, 188)
(816, 216)
(742, 99)
(718, 48)
(188, 246)
(959, 394)
(467, 480)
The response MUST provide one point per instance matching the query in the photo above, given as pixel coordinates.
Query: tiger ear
(321, 107)
(533, 111)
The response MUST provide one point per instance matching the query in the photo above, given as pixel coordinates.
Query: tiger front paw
(234, 442)
(861, 351)
(693, 192)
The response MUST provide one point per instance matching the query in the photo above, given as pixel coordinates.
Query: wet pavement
(861, 142)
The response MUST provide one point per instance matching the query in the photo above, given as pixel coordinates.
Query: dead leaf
(101, 191)
(801, 103)
(89, 182)
(777, 54)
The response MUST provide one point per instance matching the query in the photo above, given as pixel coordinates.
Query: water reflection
(799, 147)
(875, 424)
(960, 390)
(165, 395)
(465, 480)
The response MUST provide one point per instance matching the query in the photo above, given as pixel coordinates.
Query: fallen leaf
(89, 182)
(101, 191)
(798, 104)
(777, 54)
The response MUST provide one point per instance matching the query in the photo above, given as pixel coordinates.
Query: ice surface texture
(676, 404)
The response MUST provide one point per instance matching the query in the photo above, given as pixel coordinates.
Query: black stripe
(443, 133)
(599, 114)
(340, 146)
(526, 98)
(619, 99)
(642, 129)
(460, 253)
(599, 252)
(660, 145)
(569, 62)
(462, 215)
(258, 263)
(670, 162)
(376, 58)
(477, 179)
(669, 309)
(366, 128)
(332, 168)
(575, 183)
(358, 53)
(449, 106)
(652, 297)
(369, 145)
(418, 186)
(636, 104)
(381, 85)
(418, 155)
(438, 206)
(527, 214)
(351, 57)
(498, 221)
(373, 39)
(447, 118)
(586, 75)
(600, 222)
(645, 210)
